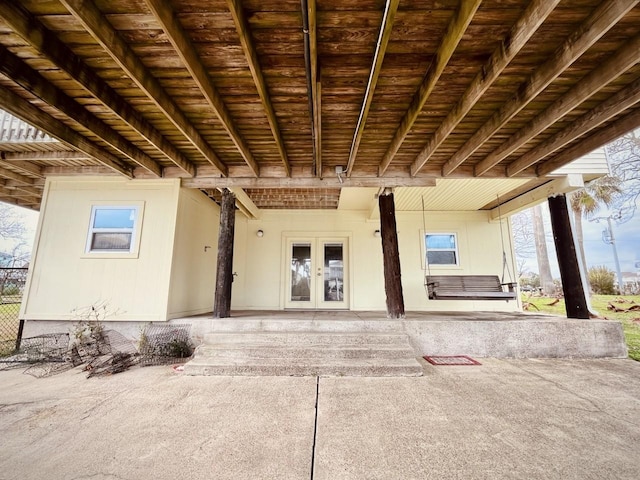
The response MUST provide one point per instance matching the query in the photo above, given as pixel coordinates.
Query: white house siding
(193, 270)
(173, 276)
(64, 278)
(261, 262)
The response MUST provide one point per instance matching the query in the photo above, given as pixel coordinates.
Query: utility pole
(608, 238)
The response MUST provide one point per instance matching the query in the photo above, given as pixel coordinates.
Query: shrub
(602, 280)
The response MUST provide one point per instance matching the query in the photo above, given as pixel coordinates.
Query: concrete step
(297, 347)
(278, 325)
(304, 367)
(309, 351)
(306, 338)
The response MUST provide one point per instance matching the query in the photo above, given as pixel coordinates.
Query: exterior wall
(64, 278)
(261, 262)
(590, 166)
(193, 271)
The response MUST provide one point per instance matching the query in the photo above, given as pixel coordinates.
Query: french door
(317, 273)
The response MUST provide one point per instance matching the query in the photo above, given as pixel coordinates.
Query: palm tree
(588, 200)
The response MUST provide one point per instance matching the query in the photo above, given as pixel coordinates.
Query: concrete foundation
(479, 334)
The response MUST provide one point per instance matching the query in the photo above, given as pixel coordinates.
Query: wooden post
(224, 274)
(574, 297)
(391, 256)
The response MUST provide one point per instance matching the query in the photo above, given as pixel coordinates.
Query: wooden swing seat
(469, 287)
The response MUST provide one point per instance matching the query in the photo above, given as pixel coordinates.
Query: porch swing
(469, 287)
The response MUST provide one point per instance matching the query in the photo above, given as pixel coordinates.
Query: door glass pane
(333, 273)
(301, 272)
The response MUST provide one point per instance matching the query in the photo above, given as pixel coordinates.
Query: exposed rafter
(22, 109)
(44, 156)
(610, 133)
(386, 26)
(16, 177)
(452, 37)
(310, 32)
(518, 36)
(30, 80)
(48, 44)
(627, 56)
(25, 167)
(595, 26)
(614, 105)
(242, 26)
(100, 28)
(187, 52)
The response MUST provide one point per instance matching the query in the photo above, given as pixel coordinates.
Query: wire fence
(12, 282)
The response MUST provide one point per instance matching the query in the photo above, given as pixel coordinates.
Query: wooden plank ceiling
(277, 94)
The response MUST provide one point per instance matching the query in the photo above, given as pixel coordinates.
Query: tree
(588, 200)
(542, 254)
(624, 159)
(523, 239)
(14, 250)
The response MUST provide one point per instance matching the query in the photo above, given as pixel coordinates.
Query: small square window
(113, 229)
(442, 248)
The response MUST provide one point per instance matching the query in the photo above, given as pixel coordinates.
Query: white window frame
(134, 246)
(456, 250)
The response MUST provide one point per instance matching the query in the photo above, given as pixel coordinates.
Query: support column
(574, 297)
(224, 273)
(391, 256)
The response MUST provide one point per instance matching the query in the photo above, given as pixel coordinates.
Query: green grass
(599, 303)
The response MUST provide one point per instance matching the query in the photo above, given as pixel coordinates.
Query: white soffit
(456, 194)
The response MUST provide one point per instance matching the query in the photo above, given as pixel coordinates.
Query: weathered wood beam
(224, 273)
(590, 143)
(242, 27)
(316, 87)
(23, 75)
(603, 18)
(22, 109)
(100, 28)
(40, 38)
(391, 256)
(187, 52)
(614, 105)
(25, 191)
(18, 178)
(305, 182)
(574, 296)
(386, 26)
(452, 37)
(535, 14)
(627, 56)
(22, 165)
(250, 209)
(44, 156)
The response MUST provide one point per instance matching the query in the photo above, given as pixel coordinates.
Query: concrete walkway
(505, 419)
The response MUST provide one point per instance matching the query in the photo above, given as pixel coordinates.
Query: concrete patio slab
(504, 419)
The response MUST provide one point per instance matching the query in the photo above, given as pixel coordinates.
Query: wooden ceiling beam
(45, 42)
(627, 56)
(602, 137)
(187, 52)
(16, 177)
(100, 28)
(22, 109)
(316, 85)
(535, 14)
(448, 45)
(614, 105)
(306, 182)
(22, 165)
(242, 27)
(386, 26)
(603, 18)
(249, 208)
(43, 156)
(23, 75)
